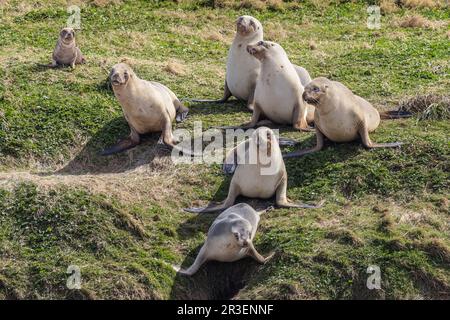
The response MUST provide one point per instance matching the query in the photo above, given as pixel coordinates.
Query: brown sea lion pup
(259, 173)
(230, 238)
(148, 106)
(66, 52)
(340, 116)
(278, 92)
(242, 69)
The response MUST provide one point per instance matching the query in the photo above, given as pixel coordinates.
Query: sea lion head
(263, 49)
(67, 35)
(247, 26)
(242, 232)
(316, 91)
(120, 74)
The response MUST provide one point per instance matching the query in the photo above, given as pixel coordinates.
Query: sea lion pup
(148, 106)
(278, 92)
(340, 115)
(230, 238)
(66, 51)
(259, 173)
(242, 69)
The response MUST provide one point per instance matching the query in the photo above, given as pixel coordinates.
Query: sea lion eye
(315, 89)
(260, 43)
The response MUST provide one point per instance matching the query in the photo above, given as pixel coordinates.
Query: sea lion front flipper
(199, 261)
(319, 145)
(299, 117)
(251, 98)
(364, 133)
(252, 252)
(282, 201)
(125, 144)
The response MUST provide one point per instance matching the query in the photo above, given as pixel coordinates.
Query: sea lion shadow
(214, 280)
(90, 161)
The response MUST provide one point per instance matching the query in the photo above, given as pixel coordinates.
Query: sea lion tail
(395, 114)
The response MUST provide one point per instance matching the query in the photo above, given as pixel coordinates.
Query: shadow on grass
(90, 161)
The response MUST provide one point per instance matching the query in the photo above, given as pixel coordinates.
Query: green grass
(120, 218)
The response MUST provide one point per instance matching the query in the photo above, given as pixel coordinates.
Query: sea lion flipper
(123, 145)
(319, 145)
(367, 142)
(287, 142)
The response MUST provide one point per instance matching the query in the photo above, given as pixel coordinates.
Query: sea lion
(340, 115)
(259, 173)
(66, 51)
(242, 70)
(148, 106)
(278, 92)
(230, 238)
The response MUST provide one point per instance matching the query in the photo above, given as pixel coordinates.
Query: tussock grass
(428, 107)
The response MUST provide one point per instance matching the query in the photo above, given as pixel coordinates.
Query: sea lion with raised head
(242, 70)
(148, 106)
(340, 116)
(259, 173)
(230, 238)
(66, 52)
(278, 91)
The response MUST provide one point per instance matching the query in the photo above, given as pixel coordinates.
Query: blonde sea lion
(260, 173)
(148, 106)
(278, 92)
(242, 69)
(340, 115)
(66, 51)
(230, 238)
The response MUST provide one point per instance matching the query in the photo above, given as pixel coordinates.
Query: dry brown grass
(428, 106)
(415, 21)
(412, 4)
(388, 6)
(175, 67)
(251, 4)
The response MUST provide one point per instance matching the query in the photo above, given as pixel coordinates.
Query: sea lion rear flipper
(289, 204)
(287, 142)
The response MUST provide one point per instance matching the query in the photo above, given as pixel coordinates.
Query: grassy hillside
(120, 219)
